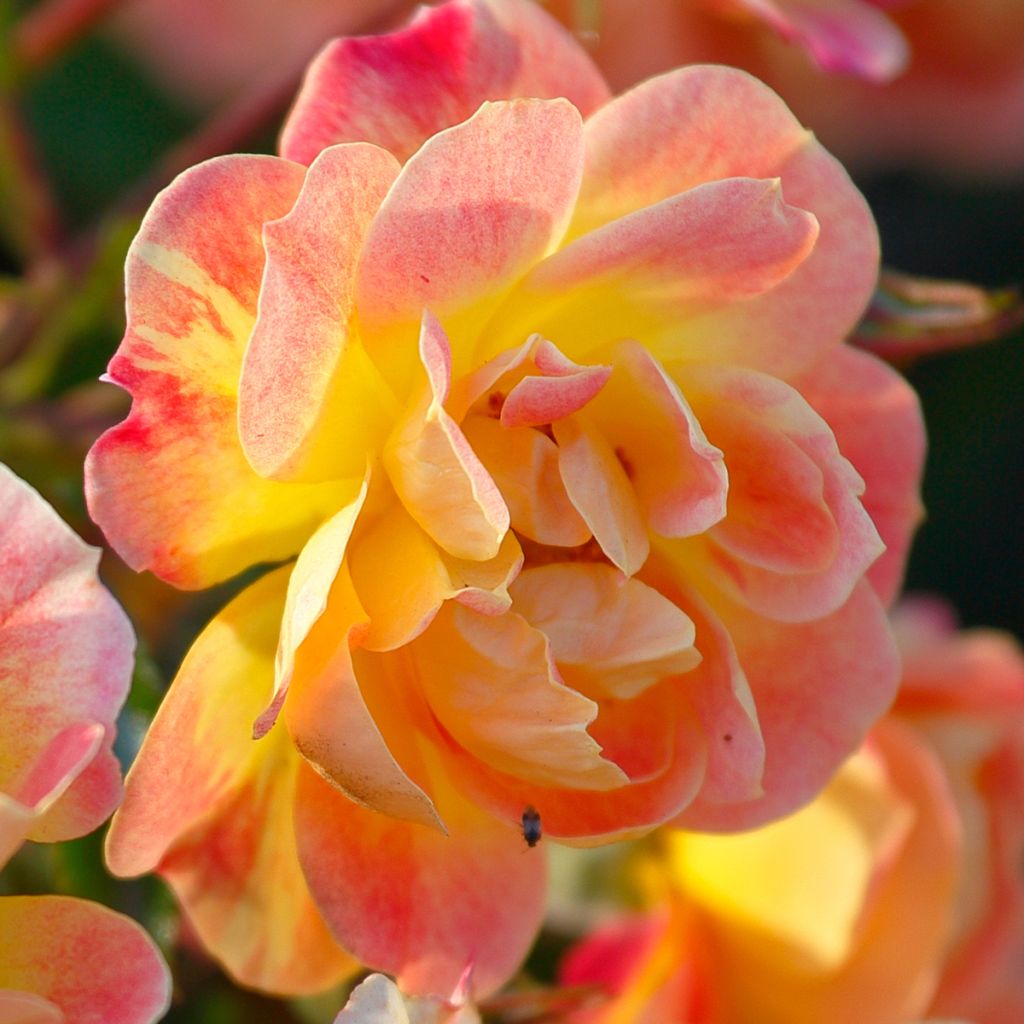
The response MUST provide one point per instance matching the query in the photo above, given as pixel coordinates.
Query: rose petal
(704, 123)
(494, 689)
(66, 656)
(407, 899)
(311, 406)
(222, 835)
(170, 486)
(451, 58)
(84, 959)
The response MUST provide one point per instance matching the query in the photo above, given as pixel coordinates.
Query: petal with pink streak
(844, 36)
(66, 655)
(451, 58)
(713, 244)
(600, 490)
(472, 211)
(311, 406)
(171, 486)
(818, 687)
(416, 903)
(492, 684)
(702, 123)
(796, 538)
(876, 418)
(330, 724)
(221, 833)
(309, 585)
(611, 636)
(524, 466)
(434, 470)
(657, 741)
(679, 477)
(89, 962)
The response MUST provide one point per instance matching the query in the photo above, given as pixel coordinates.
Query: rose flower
(541, 398)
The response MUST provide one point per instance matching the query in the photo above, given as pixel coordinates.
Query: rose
(65, 664)
(588, 496)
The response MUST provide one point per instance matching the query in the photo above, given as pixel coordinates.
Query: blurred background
(105, 103)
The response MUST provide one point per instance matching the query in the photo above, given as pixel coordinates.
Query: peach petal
(611, 636)
(333, 729)
(842, 36)
(492, 684)
(434, 470)
(226, 679)
(566, 388)
(416, 903)
(451, 58)
(221, 832)
(84, 960)
(808, 728)
(808, 499)
(654, 738)
(171, 486)
(679, 477)
(472, 211)
(309, 585)
(66, 656)
(700, 124)
(524, 466)
(483, 586)
(599, 488)
(310, 404)
(714, 243)
(877, 421)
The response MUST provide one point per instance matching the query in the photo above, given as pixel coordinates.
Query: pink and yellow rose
(582, 501)
(895, 895)
(65, 664)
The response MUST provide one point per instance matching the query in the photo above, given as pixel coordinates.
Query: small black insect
(531, 826)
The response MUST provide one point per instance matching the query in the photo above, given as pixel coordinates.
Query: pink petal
(66, 656)
(310, 404)
(492, 685)
(876, 418)
(818, 687)
(434, 470)
(611, 636)
(844, 36)
(398, 90)
(796, 538)
(679, 477)
(90, 963)
(170, 486)
(599, 488)
(701, 124)
(222, 833)
(474, 209)
(414, 902)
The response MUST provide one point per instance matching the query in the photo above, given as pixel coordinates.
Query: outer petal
(310, 404)
(818, 687)
(472, 211)
(701, 124)
(876, 418)
(714, 244)
(398, 90)
(92, 964)
(65, 665)
(843, 36)
(222, 834)
(414, 902)
(170, 486)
